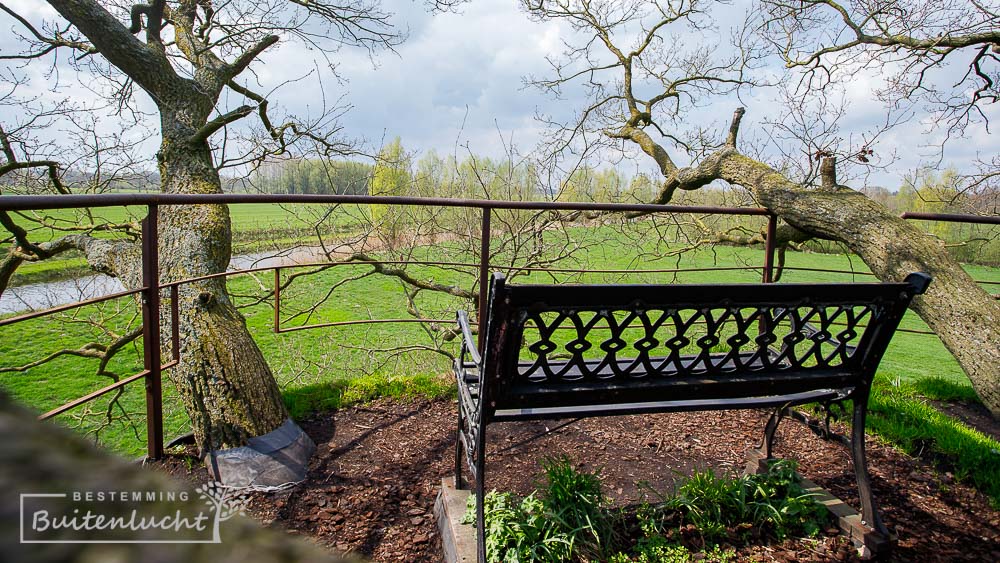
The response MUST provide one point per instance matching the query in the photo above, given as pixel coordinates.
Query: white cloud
(458, 78)
(458, 68)
(33, 10)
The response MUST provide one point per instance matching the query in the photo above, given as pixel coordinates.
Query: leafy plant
(655, 550)
(520, 531)
(575, 501)
(715, 504)
(568, 519)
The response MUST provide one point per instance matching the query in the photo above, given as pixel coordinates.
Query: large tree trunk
(226, 385)
(228, 389)
(43, 458)
(964, 316)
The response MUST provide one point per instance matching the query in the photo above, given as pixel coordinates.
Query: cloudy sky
(457, 77)
(458, 80)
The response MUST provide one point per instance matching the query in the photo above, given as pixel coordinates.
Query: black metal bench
(561, 351)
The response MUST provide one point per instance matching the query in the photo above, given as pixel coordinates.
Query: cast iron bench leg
(766, 448)
(869, 511)
(459, 484)
(481, 490)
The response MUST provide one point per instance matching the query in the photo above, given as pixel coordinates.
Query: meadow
(328, 367)
(256, 227)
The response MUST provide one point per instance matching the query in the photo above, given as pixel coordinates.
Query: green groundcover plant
(569, 519)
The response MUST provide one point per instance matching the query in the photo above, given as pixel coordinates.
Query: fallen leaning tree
(964, 316)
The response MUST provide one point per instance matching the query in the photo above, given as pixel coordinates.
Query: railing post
(277, 299)
(151, 334)
(484, 273)
(772, 230)
(175, 329)
(767, 276)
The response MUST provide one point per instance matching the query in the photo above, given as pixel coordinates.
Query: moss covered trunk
(227, 387)
(964, 316)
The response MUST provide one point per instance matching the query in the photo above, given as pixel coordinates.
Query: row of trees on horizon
(397, 172)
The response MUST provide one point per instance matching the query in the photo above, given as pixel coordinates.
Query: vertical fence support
(277, 299)
(175, 329)
(772, 230)
(151, 334)
(484, 274)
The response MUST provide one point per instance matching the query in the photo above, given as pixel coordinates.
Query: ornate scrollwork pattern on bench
(571, 345)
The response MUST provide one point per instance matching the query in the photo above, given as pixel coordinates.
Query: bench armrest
(468, 342)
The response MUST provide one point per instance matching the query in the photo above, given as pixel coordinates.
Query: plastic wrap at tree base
(277, 458)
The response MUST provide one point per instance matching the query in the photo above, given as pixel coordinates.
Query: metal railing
(149, 293)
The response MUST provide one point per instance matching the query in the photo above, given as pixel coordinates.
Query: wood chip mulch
(376, 472)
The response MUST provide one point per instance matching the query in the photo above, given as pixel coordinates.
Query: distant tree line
(397, 172)
(930, 191)
(308, 176)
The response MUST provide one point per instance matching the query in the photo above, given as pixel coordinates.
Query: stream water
(52, 294)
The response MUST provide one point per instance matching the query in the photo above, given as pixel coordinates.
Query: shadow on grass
(339, 393)
(941, 389)
(900, 415)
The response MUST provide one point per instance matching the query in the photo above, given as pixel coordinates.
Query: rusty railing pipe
(151, 334)
(484, 273)
(772, 232)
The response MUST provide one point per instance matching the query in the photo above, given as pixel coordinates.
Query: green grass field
(328, 367)
(256, 227)
(244, 217)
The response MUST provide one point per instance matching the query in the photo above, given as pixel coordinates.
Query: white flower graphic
(226, 501)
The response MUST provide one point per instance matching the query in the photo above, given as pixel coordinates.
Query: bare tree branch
(148, 67)
(50, 43)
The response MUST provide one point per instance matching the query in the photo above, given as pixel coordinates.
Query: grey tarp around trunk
(276, 458)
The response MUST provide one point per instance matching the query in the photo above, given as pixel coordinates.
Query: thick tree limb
(115, 258)
(154, 20)
(648, 146)
(9, 167)
(119, 259)
(734, 127)
(26, 251)
(219, 122)
(93, 350)
(694, 177)
(963, 315)
(243, 61)
(148, 67)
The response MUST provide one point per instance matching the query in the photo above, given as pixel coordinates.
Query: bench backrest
(599, 344)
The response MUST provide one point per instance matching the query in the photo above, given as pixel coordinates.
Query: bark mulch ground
(375, 475)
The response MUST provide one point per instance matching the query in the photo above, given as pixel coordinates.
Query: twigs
(911, 43)
(654, 62)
